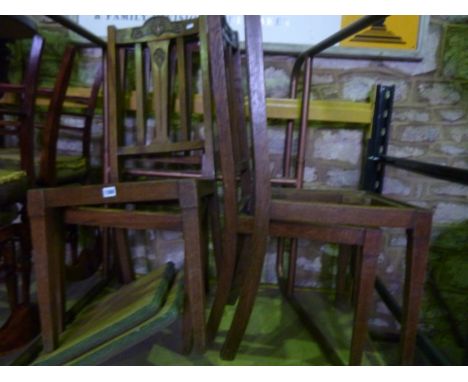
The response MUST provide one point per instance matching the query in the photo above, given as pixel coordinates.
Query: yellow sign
(395, 32)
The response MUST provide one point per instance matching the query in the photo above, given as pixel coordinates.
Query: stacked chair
(18, 121)
(50, 166)
(42, 166)
(372, 210)
(343, 217)
(56, 168)
(163, 174)
(165, 56)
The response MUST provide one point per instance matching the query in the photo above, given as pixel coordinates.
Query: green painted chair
(120, 319)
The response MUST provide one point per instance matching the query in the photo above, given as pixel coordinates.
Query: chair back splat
(165, 57)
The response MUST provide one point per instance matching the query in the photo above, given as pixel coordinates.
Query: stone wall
(430, 123)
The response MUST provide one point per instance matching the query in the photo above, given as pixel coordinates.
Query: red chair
(18, 121)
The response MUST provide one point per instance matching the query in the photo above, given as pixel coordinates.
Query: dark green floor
(276, 335)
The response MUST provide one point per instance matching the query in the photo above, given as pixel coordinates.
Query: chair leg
(243, 257)
(11, 279)
(205, 244)
(187, 328)
(72, 239)
(25, 264)
(247, 296)
(46, 231)
(344, 256)
(123, 256)
(280, 248)
(416, 261)
(225, 278)
(365, 280)
(292, 268)
(216, 232)
(107, 263)
(356, 260)
(192, 216)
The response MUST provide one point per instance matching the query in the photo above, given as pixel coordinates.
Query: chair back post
(226, 141)
(304, 120)
(258, 116)
(304, 63)
(208, 164)
(89, 113)
(223, 124)
(26, 130)
(113, 121)
(47, 173)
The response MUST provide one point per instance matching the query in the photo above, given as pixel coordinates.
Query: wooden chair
(416, 221)
(333, 217)
(256, 219)
(51, 167)
(104, 205)
(54, 168)
(22, 324)
(18, 120)
(82, 109)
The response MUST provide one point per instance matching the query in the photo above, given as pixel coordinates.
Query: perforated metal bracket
(374, 167)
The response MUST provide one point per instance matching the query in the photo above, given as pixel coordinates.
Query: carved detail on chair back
(157, 27)
(168, 56)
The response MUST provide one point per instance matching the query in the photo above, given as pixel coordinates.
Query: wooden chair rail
(115, 218)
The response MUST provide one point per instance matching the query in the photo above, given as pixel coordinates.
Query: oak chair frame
(50, 208)
(368, 208)
(264, 212)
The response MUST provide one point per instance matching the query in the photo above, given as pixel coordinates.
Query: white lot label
(109, 192)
